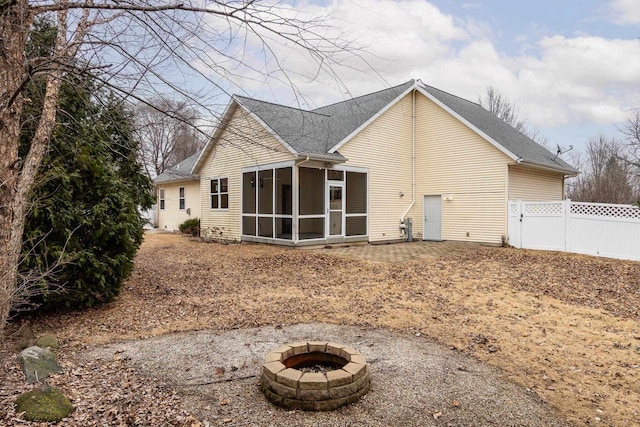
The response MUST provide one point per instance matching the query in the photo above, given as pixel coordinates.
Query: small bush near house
(190, 226)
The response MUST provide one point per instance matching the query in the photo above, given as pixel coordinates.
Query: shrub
(190, 226)
(85, 207)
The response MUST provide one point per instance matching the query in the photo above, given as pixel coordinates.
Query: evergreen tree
(85, 207)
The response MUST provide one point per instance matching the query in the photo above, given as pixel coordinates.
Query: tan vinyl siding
(384, 147)
(534, 185)
(172, 216)
(475, 213)
(455, 161)
(243, 143)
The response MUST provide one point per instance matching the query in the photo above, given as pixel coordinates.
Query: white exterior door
(432, 218)
(514, 226)
(335, 209)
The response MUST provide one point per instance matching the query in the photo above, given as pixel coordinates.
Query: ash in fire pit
(319, 362)
(315, 376)
(319, 368)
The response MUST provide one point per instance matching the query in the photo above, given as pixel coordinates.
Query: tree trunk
(16, 176)
(13, 27)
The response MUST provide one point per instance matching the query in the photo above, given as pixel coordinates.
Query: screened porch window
(267, 203)
(331, 204)
(356, 212)
(311, 218)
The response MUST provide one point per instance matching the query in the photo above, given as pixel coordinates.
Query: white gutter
(322, 158)
(305, 160)
(539, 165)
(413, 157)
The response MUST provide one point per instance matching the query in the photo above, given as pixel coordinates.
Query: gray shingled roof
(180, 172)
(319, 130)
(315, 132)
(349, 115)
(305, 131)
(512, 140)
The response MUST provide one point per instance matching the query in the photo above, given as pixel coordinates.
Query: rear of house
(361, 169)
(177, 195)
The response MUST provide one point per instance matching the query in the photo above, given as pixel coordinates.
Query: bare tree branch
(631, 131)
(146, 50)
(607, 176)
(502, 108)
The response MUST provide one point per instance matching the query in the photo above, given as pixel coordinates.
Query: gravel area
(415, 382)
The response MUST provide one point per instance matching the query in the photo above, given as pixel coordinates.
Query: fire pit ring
(314, 376)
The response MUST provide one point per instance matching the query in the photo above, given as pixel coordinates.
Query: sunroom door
(335, 209)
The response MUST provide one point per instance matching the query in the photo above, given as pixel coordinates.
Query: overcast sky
(572, 67)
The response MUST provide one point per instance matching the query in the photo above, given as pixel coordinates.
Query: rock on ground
(38, 363)
(48, 340)
(44, 404)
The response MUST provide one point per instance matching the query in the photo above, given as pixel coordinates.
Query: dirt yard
(565, 326)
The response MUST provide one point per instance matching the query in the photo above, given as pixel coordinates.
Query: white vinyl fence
(586, 228)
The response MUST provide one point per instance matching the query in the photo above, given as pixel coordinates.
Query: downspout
(304, 161)
(413, 164)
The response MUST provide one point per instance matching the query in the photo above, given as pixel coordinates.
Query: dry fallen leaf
(540, 309)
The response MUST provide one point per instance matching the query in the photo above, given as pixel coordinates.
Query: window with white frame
(311, 203)
(356, 212)
(220, 193)
(181, 198)
(161, 198)
(267, 209)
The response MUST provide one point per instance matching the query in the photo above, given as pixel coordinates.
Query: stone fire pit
(314, 376)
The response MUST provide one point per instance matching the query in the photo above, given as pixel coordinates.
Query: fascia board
(536, 165)
(174, 180)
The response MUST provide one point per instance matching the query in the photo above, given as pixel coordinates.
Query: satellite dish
(560, 151)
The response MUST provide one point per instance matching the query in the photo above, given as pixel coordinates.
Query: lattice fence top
(514, 208)
(609, 211)
(543, 208)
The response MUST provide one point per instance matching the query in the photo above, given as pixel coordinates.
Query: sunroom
(304, 204)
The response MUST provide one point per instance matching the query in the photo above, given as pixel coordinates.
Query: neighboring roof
(319, 133)
(180, 172)
(526, 150)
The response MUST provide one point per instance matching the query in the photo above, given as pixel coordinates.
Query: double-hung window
(220, 193)
(181, 198)
(161, 197)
